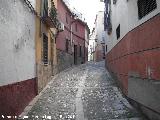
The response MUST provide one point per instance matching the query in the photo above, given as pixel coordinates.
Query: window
(80, 51)
(103, 40)
(45, 49)
(103, 47)
(103, 52)
(44, 8)
(66, 18)
(114, 1)
(107, 17)
(76, 27)
(145, 7)
(67, 45)
(106, 48)
(118, 32)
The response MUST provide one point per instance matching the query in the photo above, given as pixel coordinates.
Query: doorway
(75, 54)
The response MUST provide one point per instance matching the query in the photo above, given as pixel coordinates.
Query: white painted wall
(92, 45)
(99, 26)
(17, 42)
(126, 14)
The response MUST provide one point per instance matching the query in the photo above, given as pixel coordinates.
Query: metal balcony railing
(107, 17)
(49, 15)
(53, 14)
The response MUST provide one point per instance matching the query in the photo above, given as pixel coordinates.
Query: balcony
(49, 15)
(109, 24)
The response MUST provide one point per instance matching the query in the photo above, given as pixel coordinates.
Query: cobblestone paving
(86, 92)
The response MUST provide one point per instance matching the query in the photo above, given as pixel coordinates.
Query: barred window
(145, 7)
(44, 8)
(106, 48)
(118, 31)
(45, 49)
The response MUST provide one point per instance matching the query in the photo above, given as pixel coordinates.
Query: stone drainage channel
(79, 102)
(85, 92)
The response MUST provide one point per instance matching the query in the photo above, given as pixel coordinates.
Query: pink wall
(78, 36)
(62, 11)
(17, 96)
(81, 29)
(137, 52)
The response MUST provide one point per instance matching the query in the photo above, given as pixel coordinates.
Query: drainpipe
(72, 31)
(84, 51)
(71, 37)
(74, 19)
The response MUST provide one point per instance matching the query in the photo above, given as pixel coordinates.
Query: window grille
(118, 31)
(45, 49)
(106, 48)
(103, 52)
(107, 17)
(145, 7)
(44, 7)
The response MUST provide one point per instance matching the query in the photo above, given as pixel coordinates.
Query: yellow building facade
(46, 30)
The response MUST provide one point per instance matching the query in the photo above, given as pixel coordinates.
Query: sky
(89, 9)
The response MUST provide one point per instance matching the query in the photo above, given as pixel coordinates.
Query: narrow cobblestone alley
(86, 92)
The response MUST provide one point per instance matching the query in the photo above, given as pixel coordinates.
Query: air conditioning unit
(61, 27)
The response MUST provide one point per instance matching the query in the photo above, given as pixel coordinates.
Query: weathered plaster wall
(17, 47)
(18, 83)
(65, 60)
(99, 52)
(44, 71)
(100, 35)
(99, 26)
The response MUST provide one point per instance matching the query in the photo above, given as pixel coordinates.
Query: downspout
(71, 38)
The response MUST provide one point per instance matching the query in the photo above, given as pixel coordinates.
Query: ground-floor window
(118, 32)
(45, 49)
